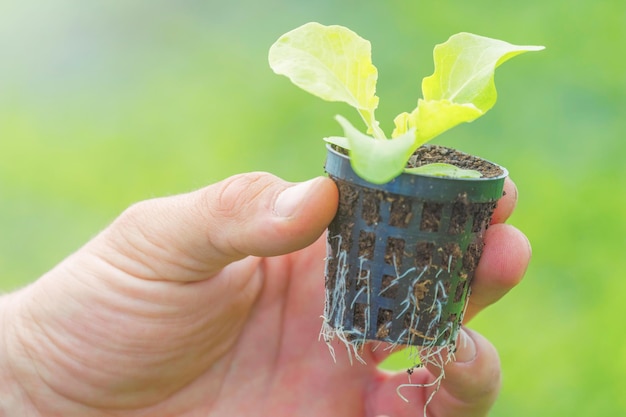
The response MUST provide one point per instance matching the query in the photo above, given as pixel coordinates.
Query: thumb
(192, 236)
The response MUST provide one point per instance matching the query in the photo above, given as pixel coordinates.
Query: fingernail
(466, 348)
(288, 201)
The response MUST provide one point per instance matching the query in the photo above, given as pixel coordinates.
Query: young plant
(334, 63)
(400, 256)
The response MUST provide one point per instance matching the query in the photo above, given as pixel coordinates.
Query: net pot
(401, 256)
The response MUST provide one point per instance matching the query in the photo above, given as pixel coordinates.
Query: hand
(209, 304)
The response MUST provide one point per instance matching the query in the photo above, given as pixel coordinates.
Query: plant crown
(334, 63)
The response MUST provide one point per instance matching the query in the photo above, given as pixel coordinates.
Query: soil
(429, 154)
(431, 216)
(388, 289)
(371, 200)
(401, 212)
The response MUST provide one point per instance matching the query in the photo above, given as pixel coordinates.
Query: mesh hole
(401, 212)
(359, 317)
(424, 253)
(471, 258)
(421, 290)
(348, 197)
(431, 217)
(458, 218)
(370, 210)
(363, 279)
(458, 293)
(367, 244)
(450, 255)
(482, 216)
(389, 289)
(383, 323)
(394, 252)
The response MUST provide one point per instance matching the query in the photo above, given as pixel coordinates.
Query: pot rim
(432, 187)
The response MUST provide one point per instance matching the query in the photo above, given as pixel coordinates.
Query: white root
(437, 345)
(334, 311)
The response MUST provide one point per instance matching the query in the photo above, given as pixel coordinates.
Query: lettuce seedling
(334, 63)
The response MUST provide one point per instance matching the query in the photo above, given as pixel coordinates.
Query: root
(335, 309)
(437, 345)
(422, 335)
(436, 357)
(398, 275)
(428, 343)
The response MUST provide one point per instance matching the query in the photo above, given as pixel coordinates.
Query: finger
(192, 236)
(391, 394)
(472, 382)
(503, 263)
(468, 388)
(507, 203)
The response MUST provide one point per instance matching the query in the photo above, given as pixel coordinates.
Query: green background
(104, 103)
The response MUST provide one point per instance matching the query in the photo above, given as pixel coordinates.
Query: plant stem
(373, 126)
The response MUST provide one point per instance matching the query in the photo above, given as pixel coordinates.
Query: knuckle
(234, 196)
(229, 205)
(132, 216)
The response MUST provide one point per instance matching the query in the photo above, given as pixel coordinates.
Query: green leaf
(464, 69)
(377, 161)
(462, 88)
(331, 62)
(433, 118)
(444, 170)
(334, 63)
(338, 141)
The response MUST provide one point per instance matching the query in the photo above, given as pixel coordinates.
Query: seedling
(408, 234)
(334, 63)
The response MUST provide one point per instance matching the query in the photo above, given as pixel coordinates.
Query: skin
(209, 303)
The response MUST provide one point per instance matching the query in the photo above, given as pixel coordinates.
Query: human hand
(209, 304)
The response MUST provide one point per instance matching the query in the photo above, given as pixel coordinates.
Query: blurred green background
(105, 103)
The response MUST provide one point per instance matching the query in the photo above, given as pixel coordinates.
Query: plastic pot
(401, 256)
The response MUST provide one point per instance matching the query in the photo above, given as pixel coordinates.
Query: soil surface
(429, 154)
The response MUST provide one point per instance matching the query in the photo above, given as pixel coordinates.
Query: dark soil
(424, 253)
(388, 289)
(394, 254)
(429, 154)
(341, 228)
(367, 243)
(431, 216)
(382, 323)
(401, 212)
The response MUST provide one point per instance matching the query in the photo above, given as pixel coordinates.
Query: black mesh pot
(401, 255)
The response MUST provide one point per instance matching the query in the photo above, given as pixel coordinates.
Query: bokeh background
(104, 103)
